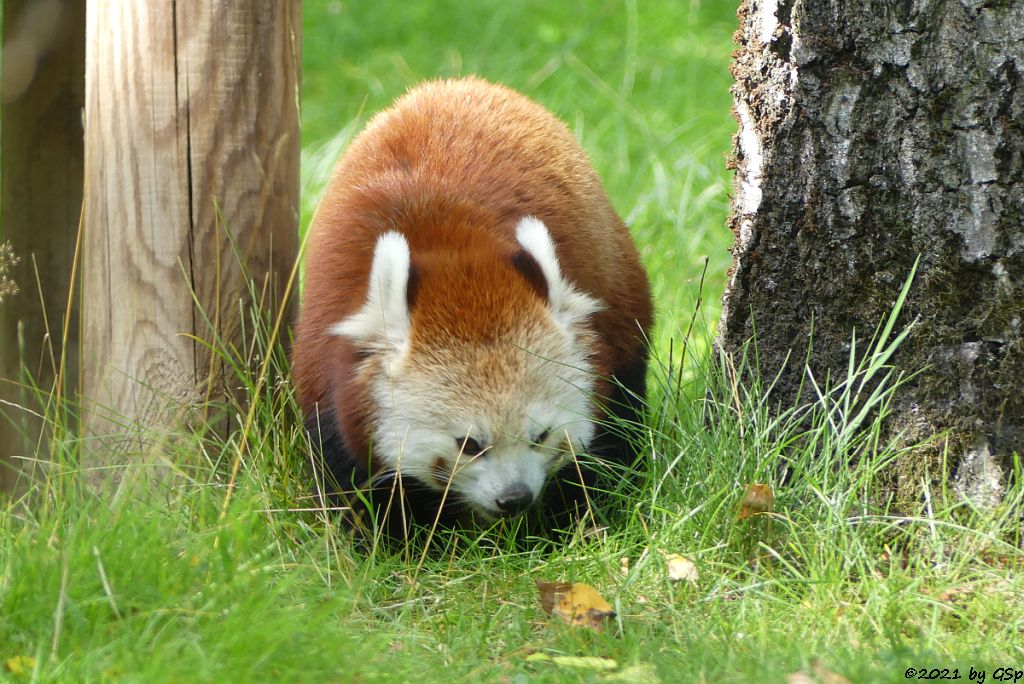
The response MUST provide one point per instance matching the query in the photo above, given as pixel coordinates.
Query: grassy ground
(185, 588)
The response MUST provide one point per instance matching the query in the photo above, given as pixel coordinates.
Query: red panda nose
(514, 500)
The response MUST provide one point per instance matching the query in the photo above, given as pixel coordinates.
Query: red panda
(473, 308)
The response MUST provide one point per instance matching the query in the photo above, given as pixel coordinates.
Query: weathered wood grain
(192, 158)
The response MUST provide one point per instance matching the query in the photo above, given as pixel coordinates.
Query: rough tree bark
(192, 161)
(871, 133)
(43, 91)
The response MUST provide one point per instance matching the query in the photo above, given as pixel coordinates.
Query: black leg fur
(345, 483)
(566, 498)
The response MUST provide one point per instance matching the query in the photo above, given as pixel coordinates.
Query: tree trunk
(43, 86)
(192, 177)
(871, 133)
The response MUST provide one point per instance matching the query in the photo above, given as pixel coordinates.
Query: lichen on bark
(871, 133)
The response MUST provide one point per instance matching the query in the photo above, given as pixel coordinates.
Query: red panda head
(477, 363)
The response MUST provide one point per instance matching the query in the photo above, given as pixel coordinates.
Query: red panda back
(452, 153)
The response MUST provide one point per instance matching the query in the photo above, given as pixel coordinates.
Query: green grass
(175, 586)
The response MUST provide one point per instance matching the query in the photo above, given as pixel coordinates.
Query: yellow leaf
(757, 499)
(635, 674)
(681, 568)
(577, 604)
(549, 592)
(576, 662)
(20, 665)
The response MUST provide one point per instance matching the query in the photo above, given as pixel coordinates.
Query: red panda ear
(383, 321)
(569, 305)
(528, 267)
(412, 286)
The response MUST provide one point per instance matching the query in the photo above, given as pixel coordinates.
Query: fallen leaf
(624, 565)
(826, 676)
(757, 499)
(681, 568)
(20, 665)
(577, 604)
(576, 662)
(549, 592)
(821, 675)
(955, 593)
(637, 674)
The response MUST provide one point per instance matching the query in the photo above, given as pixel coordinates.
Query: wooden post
(43, 92)
(192, 161)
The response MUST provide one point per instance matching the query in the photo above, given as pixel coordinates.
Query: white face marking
(537, 379)
(425, 412)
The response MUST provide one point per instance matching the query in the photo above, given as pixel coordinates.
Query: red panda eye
(542, 437)
(468, 446)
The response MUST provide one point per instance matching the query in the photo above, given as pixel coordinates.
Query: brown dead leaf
(576, 604)
(954, 594)
(800, 677)
(757, 499)
(681, 568)
(549, 592)
(826, 676)
(821, 675)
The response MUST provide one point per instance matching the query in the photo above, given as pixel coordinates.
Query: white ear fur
(384, 318)
(569, 305)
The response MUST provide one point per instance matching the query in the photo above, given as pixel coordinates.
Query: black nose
(514, 500)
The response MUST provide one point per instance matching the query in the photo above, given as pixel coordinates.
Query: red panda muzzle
(514, 500)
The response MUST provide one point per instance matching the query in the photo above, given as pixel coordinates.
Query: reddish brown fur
(453, 165)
